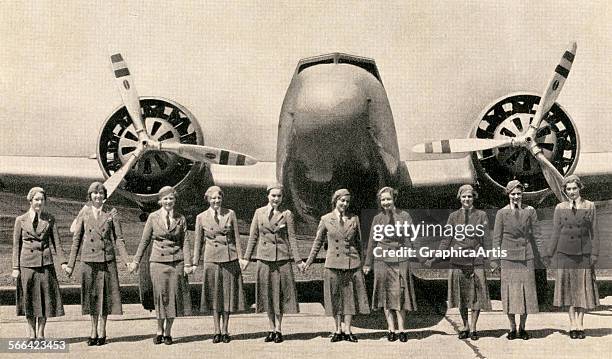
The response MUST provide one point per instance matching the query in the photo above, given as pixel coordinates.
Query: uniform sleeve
(147, 233)
(77, 237)
(234, 220)
(253, 236)
(556, 232)
(359, 239)
(594, 232)
(186, 244)
(486, 236)
(318, 242)
(369, 260)
(498, 232)
(198, 239)
(119, 240)
(16, 243)
(293, 247)
(57, 240)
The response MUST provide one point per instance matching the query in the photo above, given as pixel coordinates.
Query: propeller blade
(461, 145)
(208, 154)
(554, 85)
(126, 87)
(113, 181)
(552, 176)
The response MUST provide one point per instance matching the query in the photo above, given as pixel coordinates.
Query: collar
(471, 209)
(32, 213)
(579, 202)
(337, 213)
(212, 211)
(270, 208)
(165, 213)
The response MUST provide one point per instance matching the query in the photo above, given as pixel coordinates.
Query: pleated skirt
(275, 290)
(100, 293)
(222, 288)
(171, 294)
(575, 283)
(344, 292)
(38, 293)
(467, 288)
(393, 286)
(518, 287)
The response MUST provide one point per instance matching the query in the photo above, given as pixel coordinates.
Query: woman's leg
(523, 322)
(347, 323)
(401, 320)
(94, 326)
(31, 327)
(40, 330)
(474, 321)
(102, 328)
(168, 327)
(216, 322)
(572, 317)
(338, 323)
(279, 322)
(390, 320)
(512, 321)
(464, 318)
(225, 323)
(271, 321)
(160, 327)
(580, 318)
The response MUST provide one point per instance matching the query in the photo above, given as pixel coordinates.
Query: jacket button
(31, 250)
(337, 255)
(337, 248)
(216, 245)
(336, 240)
(93, 250)
(572, 237)
(162, 254)
(92, 239)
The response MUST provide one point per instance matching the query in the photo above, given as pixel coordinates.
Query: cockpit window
(363, 62)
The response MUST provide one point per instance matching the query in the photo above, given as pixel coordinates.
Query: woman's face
(386, 201)
(275, 197)
(572, 190)
(342, 203)
(467, 200)
(38, 202)
(516, 196)
(168, 202)
(97, 198)
(215, 200)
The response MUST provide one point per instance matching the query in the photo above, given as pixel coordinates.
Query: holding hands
(67, 269)
(244, 263)
(366, 270)
(15, 273)
(132, 266)
(302, 266)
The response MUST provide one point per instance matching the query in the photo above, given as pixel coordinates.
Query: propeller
(527, 139)
(198, 153)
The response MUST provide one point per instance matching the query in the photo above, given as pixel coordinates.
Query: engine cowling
(510, 115)
(165, 120)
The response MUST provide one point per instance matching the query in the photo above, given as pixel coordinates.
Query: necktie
(35, 221)
(516, 212)
(391, 218)
(270, 215)
(574, 209)
(217, 217)
(168, 220)
(341, 221)
(467, 216)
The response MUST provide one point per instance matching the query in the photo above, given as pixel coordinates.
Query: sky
(230, 64)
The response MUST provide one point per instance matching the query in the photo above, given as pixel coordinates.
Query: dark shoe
(350, 337)
(101, 341)
(464, 334)
(403, 337)
(474, 335)
(391, 336)
(337, 337)
(217, 339)
(158, 339)
(278, 338)
(511, 335)
(167, 340)
(523, 334)
(572, 334)
(580, 334)
(226, 338)
(270, 337)
(92, 341)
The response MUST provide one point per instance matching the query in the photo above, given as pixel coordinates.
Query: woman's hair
(572, 179)
(339, 193)
(212, 190)
(96, 187)
(33, 191)
(390, 190)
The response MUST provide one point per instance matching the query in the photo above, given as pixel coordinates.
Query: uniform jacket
(574, 234)
(32, 246)
(169, 245)
(97, 238)
(274, 238)
(516, 235)
(343, 242)
(475, 217)
(388, 243)
(221, 240)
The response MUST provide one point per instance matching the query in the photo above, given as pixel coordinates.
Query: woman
(169, 264)
(393, 286)
(343, 282)
(467, 281)
(273, 232)
(514, 235)
(222, 291)
(38, 292)
(97, 233)
(575, 245)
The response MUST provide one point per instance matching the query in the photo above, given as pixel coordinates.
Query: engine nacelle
(508, 117)
(165, 120)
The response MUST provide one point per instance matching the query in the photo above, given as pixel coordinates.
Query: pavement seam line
(474, 348)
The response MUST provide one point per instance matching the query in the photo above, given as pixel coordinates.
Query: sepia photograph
(238, 179)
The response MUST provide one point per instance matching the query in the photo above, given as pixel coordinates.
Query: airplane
(335, 128)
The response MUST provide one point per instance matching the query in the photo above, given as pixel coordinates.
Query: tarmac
(307, 334)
